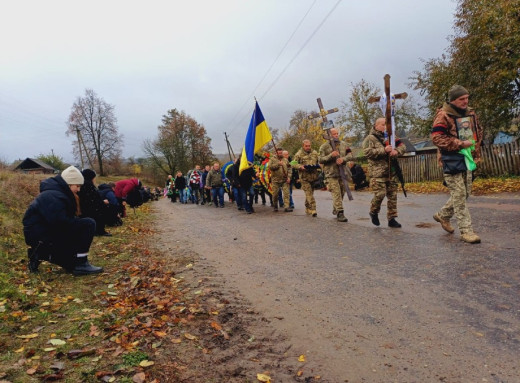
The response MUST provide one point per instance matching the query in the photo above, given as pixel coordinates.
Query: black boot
(34, 262)
(374, 218)
(83, 267)
(394, 223)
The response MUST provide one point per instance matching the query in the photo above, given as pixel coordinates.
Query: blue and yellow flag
(257, 136)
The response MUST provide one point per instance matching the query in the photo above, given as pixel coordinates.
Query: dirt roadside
(409, 306)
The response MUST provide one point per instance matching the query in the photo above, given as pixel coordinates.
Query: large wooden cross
(388, 110)
(326, 126)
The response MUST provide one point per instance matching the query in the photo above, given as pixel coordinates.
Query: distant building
(34, 166)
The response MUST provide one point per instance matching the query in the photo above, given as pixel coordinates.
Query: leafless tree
(93, 122)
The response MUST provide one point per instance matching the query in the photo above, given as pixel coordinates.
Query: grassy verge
(108, 327)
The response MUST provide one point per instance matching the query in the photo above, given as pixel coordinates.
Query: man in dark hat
(458, 135)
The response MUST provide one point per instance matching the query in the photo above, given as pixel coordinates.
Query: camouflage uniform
(307, 176)
(279, 175)
(331, 171)
(445, 136)
(382, 183)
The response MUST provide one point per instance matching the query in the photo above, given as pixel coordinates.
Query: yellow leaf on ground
(263, 378)
(57, 342)
(19, 350)
(190, 337)
(176, 340)
(30, 336)
(146, 363)
(301, 358)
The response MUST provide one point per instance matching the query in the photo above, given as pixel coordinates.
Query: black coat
(91, 203)
(180, 183)
(246, 178)
(51, 218)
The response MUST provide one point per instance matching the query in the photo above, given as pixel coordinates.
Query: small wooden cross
(323, 113)
(388, 111)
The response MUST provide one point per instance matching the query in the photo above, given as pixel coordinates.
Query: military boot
(83, 267)
(446, 225)
(275, 207)
(470, 237)
(341, 217)
(314, 213)
(374, 218)
(393, 223)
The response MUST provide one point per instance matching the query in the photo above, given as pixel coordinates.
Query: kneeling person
(53, 229)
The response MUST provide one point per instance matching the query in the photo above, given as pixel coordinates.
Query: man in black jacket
(53, 229)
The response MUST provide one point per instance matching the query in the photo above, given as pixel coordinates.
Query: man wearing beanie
(92, 205)
(458, 135)
(52, 228)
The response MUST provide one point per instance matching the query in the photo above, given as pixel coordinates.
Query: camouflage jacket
(330, 168)
(303, 158)
(445, 134)
(376, 155)
(279, 169)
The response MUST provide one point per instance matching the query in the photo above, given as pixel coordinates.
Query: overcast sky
(207, 58)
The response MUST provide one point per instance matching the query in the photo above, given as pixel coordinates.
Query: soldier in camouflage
(331, 161)
(456, 127)
(383, 179)
(280, 179)
(306, 162)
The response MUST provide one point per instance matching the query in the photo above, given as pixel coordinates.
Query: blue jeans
(237, 195)
(280, 197)
(218, 192)
(247, 200)
(182, 195)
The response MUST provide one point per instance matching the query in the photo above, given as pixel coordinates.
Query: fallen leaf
(140, 377)
(301, 358)
(176, 340)
(146, 363)
(216, 326)
(190, 337)
(31, 371)
(263, 378)
(30, 336)
(57, 342)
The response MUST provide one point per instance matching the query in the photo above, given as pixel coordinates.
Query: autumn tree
(93, 122)
(181, 144)
(484, 57)
(357, 115)
(301, 128)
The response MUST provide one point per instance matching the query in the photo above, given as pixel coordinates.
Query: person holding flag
(257, 136)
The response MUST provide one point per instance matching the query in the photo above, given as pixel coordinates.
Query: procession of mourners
(62, 221)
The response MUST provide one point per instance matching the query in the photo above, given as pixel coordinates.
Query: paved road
(373, 304)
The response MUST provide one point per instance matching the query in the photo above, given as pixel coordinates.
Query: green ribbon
(468, 158)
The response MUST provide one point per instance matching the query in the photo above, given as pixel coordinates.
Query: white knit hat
(72, 176)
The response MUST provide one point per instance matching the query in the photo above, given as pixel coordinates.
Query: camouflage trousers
(459, 186)
(276, 186)
(382, 188)
(310, 202)
(336, 188)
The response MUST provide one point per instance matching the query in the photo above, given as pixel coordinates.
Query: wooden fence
(497, 160)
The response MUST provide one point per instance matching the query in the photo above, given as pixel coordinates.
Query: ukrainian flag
(257, 136)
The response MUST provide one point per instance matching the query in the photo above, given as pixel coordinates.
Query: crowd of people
(62, 221)
(70, 210)
(456, 130)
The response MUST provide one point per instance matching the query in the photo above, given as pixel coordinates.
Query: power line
(272, 65)
(301, 49)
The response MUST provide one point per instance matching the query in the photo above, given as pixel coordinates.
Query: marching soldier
(383, 179)
(306, 162)
(456, 129)
(331, 161)
(280, 179)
